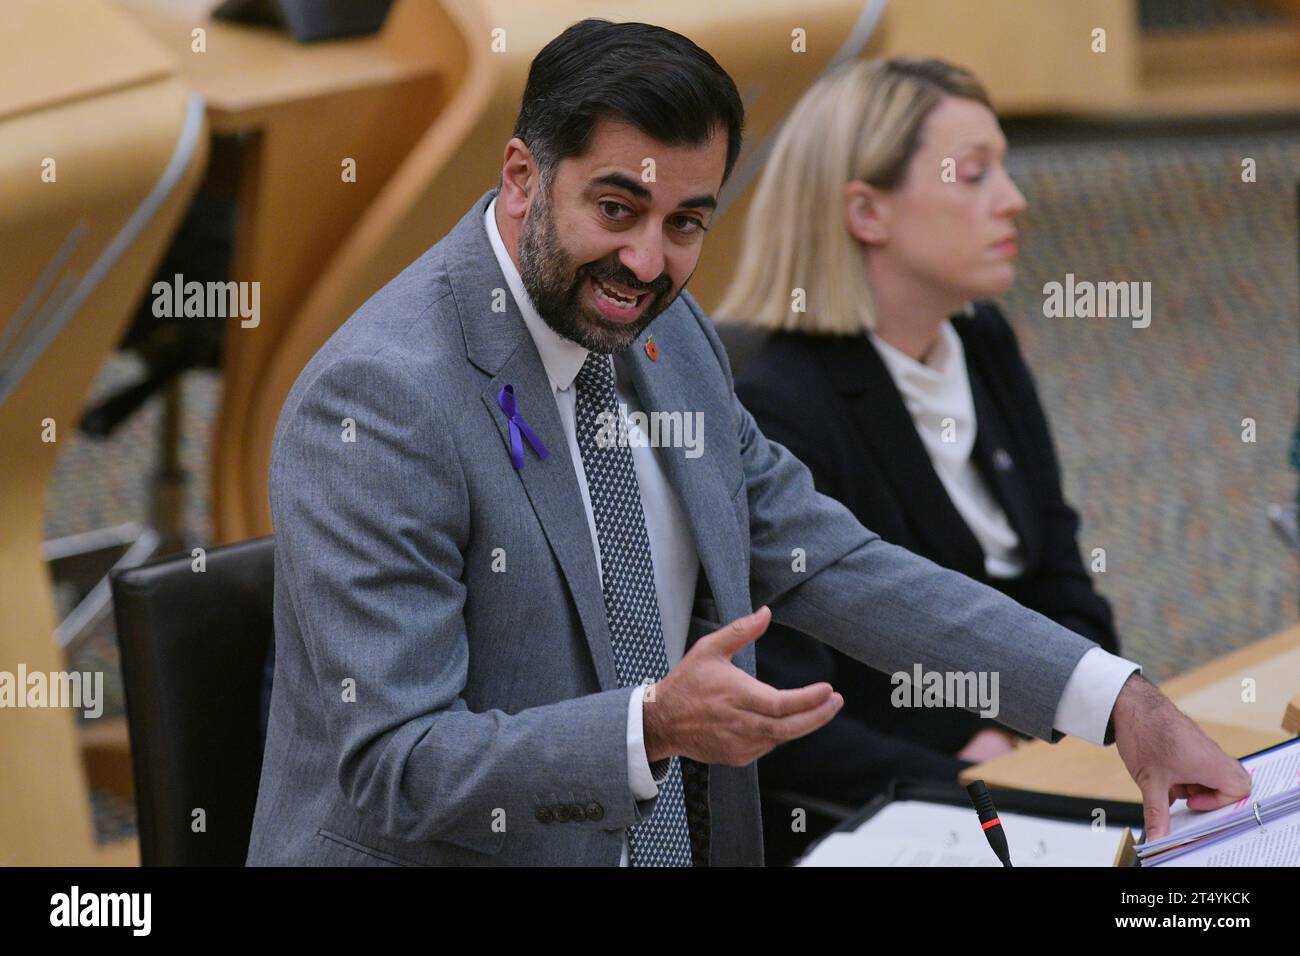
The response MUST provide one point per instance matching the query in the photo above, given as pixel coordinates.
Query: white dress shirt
(672, 551)
(1089, 694)
(938, 397)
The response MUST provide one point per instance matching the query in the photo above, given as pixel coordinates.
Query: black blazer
(832, 402)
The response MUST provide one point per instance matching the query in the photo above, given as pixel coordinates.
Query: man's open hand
(1171, 758)
(710, 710)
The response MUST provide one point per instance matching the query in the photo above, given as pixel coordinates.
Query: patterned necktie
(631, 604)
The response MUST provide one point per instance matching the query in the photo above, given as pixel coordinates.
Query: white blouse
(938, 397)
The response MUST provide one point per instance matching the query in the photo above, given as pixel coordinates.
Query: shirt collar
(562, 358)
(943, 365)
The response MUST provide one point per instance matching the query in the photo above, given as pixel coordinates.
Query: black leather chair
(194, 648)
(310, 20)
(742, 343)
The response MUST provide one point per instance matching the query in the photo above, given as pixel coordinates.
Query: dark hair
(650, 77)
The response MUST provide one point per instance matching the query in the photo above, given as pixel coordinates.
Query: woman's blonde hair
(861, 121)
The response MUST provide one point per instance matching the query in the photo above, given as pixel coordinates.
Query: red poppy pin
(651, 349)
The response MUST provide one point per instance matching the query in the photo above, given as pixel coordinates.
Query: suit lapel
(672, 383)
(992, 453)
(498, 343)
(890, 440)
(552, 489)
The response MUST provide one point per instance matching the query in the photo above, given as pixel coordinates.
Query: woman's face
(950, 226)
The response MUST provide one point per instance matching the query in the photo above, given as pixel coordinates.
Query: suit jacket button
(577, 813)
(595, 811)
(1002, 461)
(544, 815)
(561, 813)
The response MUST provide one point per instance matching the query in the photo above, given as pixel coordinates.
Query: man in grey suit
(515, 502)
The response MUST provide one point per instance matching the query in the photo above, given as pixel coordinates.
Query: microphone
(989, 822)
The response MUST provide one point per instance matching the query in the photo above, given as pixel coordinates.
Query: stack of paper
(917, 833)
(1262, 829)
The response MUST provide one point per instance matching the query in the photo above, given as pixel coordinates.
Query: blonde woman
(884, 214)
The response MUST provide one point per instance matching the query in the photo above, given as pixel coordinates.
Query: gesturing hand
(710, 710)
(1171, 758)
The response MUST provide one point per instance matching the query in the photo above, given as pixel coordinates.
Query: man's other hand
(710, 710)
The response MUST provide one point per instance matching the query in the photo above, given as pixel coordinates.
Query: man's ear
(866, 213)
(519, 178)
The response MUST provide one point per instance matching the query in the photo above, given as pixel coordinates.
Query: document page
(916, 833)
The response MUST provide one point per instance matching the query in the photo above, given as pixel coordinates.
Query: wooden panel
(295, 212)
(1032, 56)
(304, 108)
(110, 151)
(54, 64)
(106, 751)
(1260, 656)
(1287, 8)
(1218, 94)
(1273, 682)
(1196, 54)
(117, 853)
(1291, 721)
(248, 72)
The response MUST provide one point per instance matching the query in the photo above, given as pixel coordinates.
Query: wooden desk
(252, 76)
(301, 109)
(1210, 694)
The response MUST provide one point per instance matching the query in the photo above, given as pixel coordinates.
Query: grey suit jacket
(430, 704)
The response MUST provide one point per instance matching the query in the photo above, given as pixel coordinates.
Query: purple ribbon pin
(519, 429)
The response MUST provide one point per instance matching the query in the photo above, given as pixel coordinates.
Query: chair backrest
(193, 644)
(742, 343)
